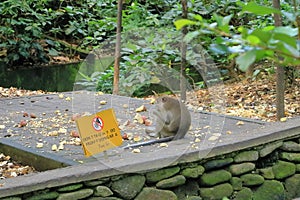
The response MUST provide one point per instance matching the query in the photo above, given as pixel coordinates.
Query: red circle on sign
(98, 123)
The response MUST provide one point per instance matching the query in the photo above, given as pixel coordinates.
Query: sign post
(99, 132)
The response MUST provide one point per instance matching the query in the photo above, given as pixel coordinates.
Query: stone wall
(266, 172)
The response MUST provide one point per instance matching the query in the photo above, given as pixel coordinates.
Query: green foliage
(248, 45)
(31, 31)
(21, 32)
(26, 27)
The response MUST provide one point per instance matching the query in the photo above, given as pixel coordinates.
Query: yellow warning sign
(99, 132)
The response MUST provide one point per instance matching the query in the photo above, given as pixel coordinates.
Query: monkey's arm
(149, 142)
(162, 116)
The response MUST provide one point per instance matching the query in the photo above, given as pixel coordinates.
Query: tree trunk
(280, 83)
(183, 83)
(118, 49)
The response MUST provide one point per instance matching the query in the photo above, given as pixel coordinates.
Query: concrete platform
(54, 112)
(212, 129)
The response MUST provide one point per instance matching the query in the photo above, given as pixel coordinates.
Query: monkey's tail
(149, 142)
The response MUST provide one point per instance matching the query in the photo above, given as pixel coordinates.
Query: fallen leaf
(61, 96)
(240, 123)
(39, 145)
(136, 151)
(163, 144)
(283, 119)
(103, 102)
(142, 108)
(138, 118)
(54, 147)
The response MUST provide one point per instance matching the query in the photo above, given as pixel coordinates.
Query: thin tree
(183, 53)
(280, 83)
(118, 49)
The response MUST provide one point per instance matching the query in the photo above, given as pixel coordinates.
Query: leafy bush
(21, 32)
(34, 31)
(31, 31)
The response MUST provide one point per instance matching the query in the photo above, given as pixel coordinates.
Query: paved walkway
(54, 113)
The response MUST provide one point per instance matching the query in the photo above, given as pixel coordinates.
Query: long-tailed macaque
(172, 118)
(173, 121)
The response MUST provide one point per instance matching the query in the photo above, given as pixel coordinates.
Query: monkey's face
(160, 103)
(167, 103)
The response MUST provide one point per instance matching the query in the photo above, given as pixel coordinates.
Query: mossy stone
(244, 194)
(193, 198)
(238, 169)
(293, 157)
(69, 188)
(267, 173)
(269, 148)
(79, 194)
(96, 182)
(215, 177)
(190, 188)
(103, 191)
(155, 194)
(283, 169)
(161, 174)
(236, 183)
(269, 190)
(193, 172)
(104, 198)
(252, 179)
(128, 187)
(171, 182)
(44, 196)
(214, 164)
(297, 167)
(216, 192)
(291, 146)
(292, 185)
(246, 156)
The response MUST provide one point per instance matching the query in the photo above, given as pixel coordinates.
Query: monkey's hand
(151, 131)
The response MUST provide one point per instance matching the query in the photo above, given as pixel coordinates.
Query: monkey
(172, 118)
(173, 121)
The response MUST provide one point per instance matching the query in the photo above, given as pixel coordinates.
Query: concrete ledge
(40, 161)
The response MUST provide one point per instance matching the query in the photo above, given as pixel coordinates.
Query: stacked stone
(266, 172)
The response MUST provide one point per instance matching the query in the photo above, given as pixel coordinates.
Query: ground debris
(254, 99)
(10, 168)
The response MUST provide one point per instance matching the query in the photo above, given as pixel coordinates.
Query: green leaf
(291, 41)
(226, 20)
(52, 52)
(253, 40)
(260, 54)
(286, 30)
(190, 36)
(219, 49)
(218, 19)
(198, 17)
(183, 22)
(268, 28)
(246, 59)
(254, 8)
(263, 36)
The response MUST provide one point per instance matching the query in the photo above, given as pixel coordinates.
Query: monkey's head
(167, 102)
